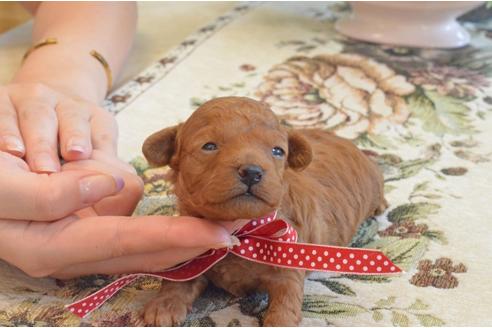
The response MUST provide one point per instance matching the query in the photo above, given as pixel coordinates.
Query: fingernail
(120, 183)
(44, 163)
(76, 145)
(14, 144)
(233, 241)
(95, 187)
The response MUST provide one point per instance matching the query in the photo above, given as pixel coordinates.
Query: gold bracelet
(93, 53)
(107, 69)
(43, 43)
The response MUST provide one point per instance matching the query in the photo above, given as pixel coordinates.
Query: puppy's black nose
(250, 174)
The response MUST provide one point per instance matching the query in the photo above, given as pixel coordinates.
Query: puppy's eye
(209, 146)
(278, 152)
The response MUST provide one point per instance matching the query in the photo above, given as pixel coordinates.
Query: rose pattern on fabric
(155, 182)
(144, 79)
(454, 171)
(450, 81)
(347, 93)
(438, 274)
(119, 98)
(405, 229)
(167, 60)
(247, 68)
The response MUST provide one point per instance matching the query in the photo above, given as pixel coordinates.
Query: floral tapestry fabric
(424, 115)
(346, 93)
(438, 274)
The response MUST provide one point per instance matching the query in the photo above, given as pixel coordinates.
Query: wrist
(67, 69)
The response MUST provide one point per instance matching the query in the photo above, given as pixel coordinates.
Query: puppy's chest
(239, 276)
(311, 226)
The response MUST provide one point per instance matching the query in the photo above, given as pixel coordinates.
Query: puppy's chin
(235, 208)
(229, 200)
(247, 207)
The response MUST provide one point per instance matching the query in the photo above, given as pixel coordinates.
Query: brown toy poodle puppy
(232, 159)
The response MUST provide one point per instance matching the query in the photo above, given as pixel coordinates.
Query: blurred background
(11, 15)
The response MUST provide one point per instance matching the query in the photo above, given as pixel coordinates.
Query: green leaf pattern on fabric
(440, 114)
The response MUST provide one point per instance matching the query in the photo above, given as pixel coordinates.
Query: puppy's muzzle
(250, 174)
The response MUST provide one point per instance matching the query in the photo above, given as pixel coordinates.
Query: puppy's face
(229, 158)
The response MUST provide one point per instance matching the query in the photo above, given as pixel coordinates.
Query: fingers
(146, 262)
(9, 162)
(152, 262)
(41, 115)
(74, 131)
(104, 131)
(125, 201)
(103, 162)
(10, 137)
(104, 238)
(104, 244)
(42, 197)
(39, 125)
(113, 161)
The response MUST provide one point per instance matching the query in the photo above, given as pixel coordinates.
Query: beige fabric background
(11, 15)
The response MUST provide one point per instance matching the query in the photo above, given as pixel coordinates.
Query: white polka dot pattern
(263, 240)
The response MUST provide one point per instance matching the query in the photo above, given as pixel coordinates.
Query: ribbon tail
(184, 272)
(314, 257)
(85, 306)
(192, 269)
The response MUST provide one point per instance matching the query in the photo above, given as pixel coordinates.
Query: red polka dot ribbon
(264, 240)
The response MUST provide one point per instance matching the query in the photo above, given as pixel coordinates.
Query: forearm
(107, 27)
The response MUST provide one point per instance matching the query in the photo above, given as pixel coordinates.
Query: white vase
(408, 23)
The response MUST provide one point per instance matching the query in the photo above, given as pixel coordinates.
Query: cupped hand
(94, 238)
(33, 117)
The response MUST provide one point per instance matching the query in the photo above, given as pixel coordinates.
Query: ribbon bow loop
(268, 227)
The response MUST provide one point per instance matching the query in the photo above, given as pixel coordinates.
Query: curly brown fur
(323, 185)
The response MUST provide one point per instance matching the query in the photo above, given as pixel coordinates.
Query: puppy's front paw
(382, 207)
(165, 312)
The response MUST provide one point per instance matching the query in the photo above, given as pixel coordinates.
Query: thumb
(42, 197)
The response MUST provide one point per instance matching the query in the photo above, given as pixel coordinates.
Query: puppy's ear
(300, 151)
(160, 147)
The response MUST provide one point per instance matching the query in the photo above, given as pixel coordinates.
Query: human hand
(33, 117)
(26, 195)
(94, 240)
